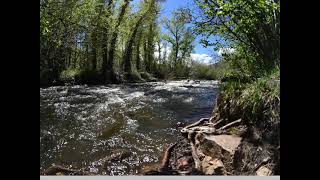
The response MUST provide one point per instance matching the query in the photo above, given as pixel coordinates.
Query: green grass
(254, 101)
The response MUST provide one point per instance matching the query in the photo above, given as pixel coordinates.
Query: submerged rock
(220, 147)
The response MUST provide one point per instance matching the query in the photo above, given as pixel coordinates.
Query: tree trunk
(128, 52)
(94, 51)
(105, 42)
(159, 51)
(138, 63)
(110, 73)
(150, 49)
(146, 61)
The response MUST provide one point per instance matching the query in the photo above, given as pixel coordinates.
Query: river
(81, 124)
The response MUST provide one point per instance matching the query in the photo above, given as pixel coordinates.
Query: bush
(147, 76)
(237, 77)
(69, 75)
(76, 76)
(203, 71)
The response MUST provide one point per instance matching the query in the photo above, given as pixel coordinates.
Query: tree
(98, 41)
(110, 73)
(129, 47)
(250, 27)
(179, 36)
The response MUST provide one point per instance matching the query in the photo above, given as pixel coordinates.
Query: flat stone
(227, 142)
(212, 166)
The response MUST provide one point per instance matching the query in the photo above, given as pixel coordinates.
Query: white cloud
(225, 50)
(203, 58)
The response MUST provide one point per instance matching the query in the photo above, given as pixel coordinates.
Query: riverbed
(79, 125)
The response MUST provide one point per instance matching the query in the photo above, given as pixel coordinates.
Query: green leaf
(220, 13)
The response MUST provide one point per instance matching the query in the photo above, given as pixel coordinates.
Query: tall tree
(110, 73)
(250, 27)
(129, 46)
(178, 34)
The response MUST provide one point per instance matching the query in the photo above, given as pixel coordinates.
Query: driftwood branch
(201, 121)
(218, 122)
(229, 125)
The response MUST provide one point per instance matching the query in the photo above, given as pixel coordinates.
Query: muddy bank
(238, 139)
(242, 136)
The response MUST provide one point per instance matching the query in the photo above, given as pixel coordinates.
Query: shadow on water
(80, 125)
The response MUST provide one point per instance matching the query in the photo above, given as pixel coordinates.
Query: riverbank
(145, 78)
(242, 136)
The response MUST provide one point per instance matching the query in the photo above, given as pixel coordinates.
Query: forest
(98, 42)
(104, 42)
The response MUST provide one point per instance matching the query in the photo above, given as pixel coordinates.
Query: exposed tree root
(229, 125)
(204, 127)
(166, 157)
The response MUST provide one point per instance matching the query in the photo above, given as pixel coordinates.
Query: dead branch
(218, 122)
(202, 129)
(197, 123)
(229, 125)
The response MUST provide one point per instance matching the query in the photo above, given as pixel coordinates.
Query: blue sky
(171, 5)
(200, 53)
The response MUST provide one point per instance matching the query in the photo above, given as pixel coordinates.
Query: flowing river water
(79, 125)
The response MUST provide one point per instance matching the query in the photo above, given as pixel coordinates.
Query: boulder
(226, 142)
(221, 147)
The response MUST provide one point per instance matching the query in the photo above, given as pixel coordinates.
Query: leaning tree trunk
(128, 51)
(138, 63)
(110, 73)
